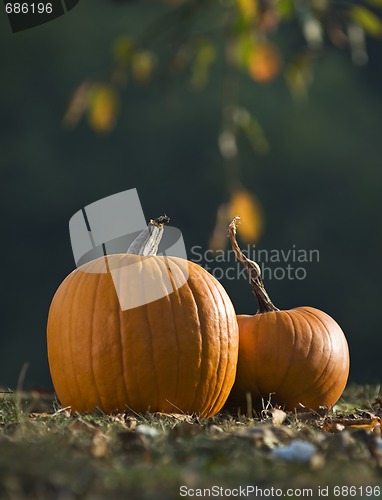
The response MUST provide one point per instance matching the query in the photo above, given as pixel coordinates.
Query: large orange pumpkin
(299, 356)
(174, 354)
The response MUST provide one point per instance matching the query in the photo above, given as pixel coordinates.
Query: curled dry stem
(253, 269)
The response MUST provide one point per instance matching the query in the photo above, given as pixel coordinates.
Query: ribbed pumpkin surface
(300, 355)
(176, 354)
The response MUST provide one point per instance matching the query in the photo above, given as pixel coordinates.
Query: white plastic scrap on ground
(147, 430)
(296, 451)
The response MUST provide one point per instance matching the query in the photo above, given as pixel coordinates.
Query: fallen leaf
(127, 420)
(338, 424)
(82, 426)
(99, 447)
(77, 104)
(178, 417)
(185, 429)
(278, 416)
(133, 442)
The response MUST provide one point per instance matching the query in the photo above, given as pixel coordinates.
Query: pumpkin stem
(253, 269)
(147, 242)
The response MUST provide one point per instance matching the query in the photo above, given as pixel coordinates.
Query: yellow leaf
(369, 21)
(245, 205)
(142, 65)
(99, 447)
(103, 107)
(248, 8)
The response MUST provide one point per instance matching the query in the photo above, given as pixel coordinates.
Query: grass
(48, 453)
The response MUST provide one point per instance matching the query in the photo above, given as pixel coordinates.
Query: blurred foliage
(249, 30)
(246, 35)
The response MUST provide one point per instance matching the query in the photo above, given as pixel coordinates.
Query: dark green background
(320, 186)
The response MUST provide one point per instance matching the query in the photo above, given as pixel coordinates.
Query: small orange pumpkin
(299, 356)
(174, 354)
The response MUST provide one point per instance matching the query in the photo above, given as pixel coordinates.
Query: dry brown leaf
(185, 429)
(36, 415)
(82, 426)
(265, 435)
(133, 442)
(304, 414)
(278, 416)
(339, 424)
(77, 104)
(178, 417)
(99, 447)
(125, 419)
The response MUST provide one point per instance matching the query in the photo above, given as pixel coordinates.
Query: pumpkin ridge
(69, 337)
(330, 375)
(146, 314)
(258, 375)
(99, 398)
(195, 295)
(290, 360)
(330, 341)
(166, 273)
(175, 295)
(223, 380)
(310, 311)
(182, 298)
(228, 306)
(175, 291)
(122, 346)
(330, 355)
(60, 341)
(300, 312)
(305, 388)
(133, 355)
(254, 342)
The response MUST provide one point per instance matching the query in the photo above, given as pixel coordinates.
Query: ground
(47, 453)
